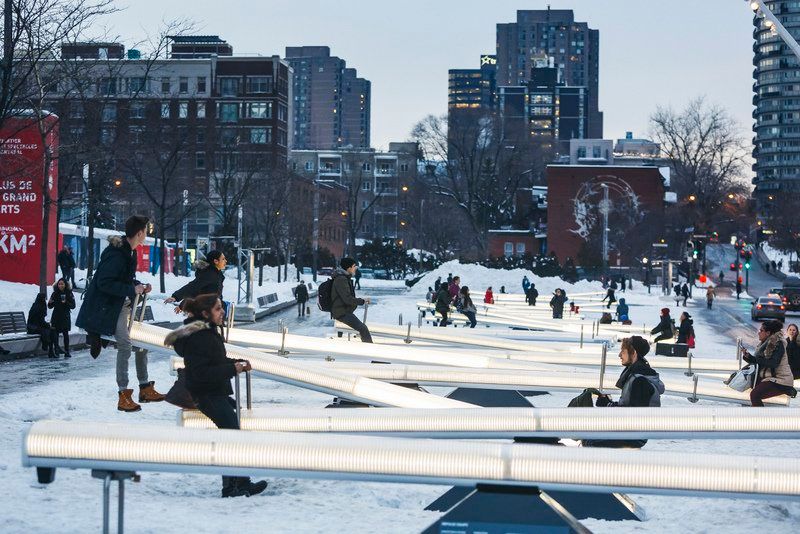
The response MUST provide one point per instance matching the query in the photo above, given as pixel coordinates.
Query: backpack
(584, 400)
(325, 295)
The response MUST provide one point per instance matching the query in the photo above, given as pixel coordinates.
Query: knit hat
(664, 311)
(640, 345)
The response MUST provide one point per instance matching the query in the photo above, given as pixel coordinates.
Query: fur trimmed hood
(200, 265)
(185, 331)
(115, 240)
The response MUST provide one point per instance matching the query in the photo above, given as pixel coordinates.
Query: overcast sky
(652, 52)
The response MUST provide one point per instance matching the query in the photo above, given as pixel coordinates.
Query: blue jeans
(471, 316)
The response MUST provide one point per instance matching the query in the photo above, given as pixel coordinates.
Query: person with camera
(774, 374)
(62, 302)
(209, 372)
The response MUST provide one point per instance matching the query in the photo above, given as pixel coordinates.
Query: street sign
(660, 245)
(699, 236)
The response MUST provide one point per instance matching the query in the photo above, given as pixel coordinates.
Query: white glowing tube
(541, 379)
(372, 351)
(461, 338)
(53, 444)
(497, 423)
(314, 377)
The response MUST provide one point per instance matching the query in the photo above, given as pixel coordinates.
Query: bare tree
(708, 154)
(783, 221)
(230, 182)
(479, 166)
(354, 178)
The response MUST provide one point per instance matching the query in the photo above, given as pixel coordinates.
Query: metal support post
(581, 335)
(400, 320)
(739, 351)
(603, 365)
(231, 311)
(249, 390)
(366, 306)
(282, 351)
(106, 502)
(121, 506)
(144, 303)
(419, 320)
(134, 305)
(408, 334)
(238, 400)
(689, 372)
(693, 398)
(592, 329)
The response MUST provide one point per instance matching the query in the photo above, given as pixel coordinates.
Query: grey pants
(124, 347)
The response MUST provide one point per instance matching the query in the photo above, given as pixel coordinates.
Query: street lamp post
(185, 233)
(604, 209)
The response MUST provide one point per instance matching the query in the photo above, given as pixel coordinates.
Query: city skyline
(650, 53)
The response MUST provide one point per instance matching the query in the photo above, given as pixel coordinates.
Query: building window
(165, 88)
(282, 137)
(582, 152)
(228, 136)
(309, 166)
(260, 136)
(508, 249)
(107, 86)
(282, 112)
(106, 136)
(404, 167)
(109, 112)
(228, 112)
(136, 134)
(366, 185)
(229, 86)
(259, 84)
(364, 204)
(521, 249)
(183, 110)
(201, 110)
(137, 110)
(200, 136)
(165, 110)
(137, 85)
(200, 160)
(76, 110)
(597, 151)
(259, 110)
(366, 166)
(183, 85)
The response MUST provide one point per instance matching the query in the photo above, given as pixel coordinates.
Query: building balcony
(388, 192)
(330, 172)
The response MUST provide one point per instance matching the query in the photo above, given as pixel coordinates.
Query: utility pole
(185, 232)
(315, 233)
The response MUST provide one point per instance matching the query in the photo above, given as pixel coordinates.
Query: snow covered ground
(84, 390)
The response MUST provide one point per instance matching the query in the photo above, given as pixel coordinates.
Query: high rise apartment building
(331, 103)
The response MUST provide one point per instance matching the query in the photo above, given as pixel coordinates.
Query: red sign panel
(22, 182)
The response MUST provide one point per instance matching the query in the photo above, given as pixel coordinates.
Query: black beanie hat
(640, 345)
(346, 263)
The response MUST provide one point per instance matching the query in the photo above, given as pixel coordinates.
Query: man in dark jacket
(301, 294)
(531, 295)
(442, 303)
(67, 264)
(557, 304)
(665, 328)
(640, 387)
(209, 278)
(107, 307)
(344, 301)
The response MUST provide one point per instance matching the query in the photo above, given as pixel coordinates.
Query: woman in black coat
(209, 278)
(209, 372)
(793, 350)
(686, 328)
(37, 324)
(62, 301)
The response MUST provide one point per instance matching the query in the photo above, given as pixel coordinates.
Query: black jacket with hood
(207, 280)
(343, 294)
(208, 369)
(61, 320)
(685, 330)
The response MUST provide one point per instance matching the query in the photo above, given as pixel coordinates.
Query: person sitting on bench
(774, 374)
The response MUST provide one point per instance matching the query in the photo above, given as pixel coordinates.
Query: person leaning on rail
(209, 372)
(640, 387)
(774, 374)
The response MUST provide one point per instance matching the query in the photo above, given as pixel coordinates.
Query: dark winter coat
(301, 293)
(622, 310)
(65, 261)
(685, 330)
(61, 320)
(610, 296)
(557, 302)
(443, 300)
(343, 294)
(685, 290)
(37, 316)
(640, 386)
(793, 353)
(664, 326)
(113, 282)
(208, 369)
(207, 280)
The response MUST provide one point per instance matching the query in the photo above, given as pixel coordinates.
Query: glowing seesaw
(311, 376)
(412, 334)
(544, 379)
(295, 344)
(115, 448)
(507, 423)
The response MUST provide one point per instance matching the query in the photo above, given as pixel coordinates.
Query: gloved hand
(602, 401)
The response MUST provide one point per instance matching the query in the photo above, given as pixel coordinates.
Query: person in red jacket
(488, 298)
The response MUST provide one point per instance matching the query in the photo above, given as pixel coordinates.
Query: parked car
(307, 271)
(325, 271)
(381, 274)
(366, 272)
(790, 293)
(768, 308)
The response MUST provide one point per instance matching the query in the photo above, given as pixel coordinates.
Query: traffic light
(747, 265)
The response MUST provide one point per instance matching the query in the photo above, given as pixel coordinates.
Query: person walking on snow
(344, 301)
(612, 298)
(488, 298)
(525, 284)
(557, 304)
(711, 294)
(685, 293)
(531, 295)
(301, 294)
(106, 310)
(443, 303)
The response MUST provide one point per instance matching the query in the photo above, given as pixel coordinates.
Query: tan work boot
(149, 394)
(126, 403)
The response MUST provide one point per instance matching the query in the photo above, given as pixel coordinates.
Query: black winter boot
(253, 488)
(232, 488)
